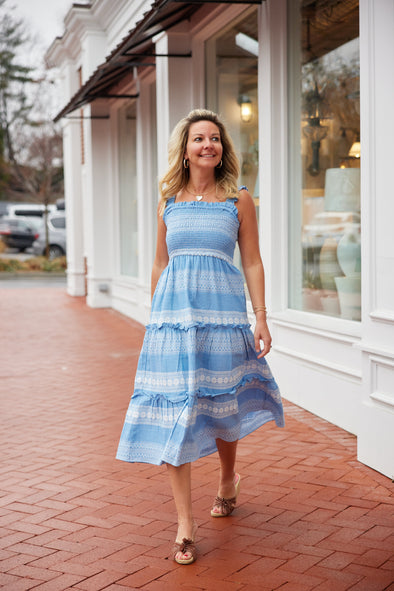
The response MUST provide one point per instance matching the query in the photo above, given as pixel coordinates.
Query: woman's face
(204, 147)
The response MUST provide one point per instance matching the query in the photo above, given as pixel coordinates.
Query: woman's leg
(227, 454)
(180, 478)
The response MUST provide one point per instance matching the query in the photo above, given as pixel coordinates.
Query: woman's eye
(199, 139)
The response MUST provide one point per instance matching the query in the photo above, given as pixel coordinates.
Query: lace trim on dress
(202, 391)
(185, 319)
(218, 254)
(204, 381)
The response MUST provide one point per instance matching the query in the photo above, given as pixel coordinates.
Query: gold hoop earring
(220, 164)
(185, 163)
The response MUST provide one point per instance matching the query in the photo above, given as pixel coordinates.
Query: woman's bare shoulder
(244, 196)
(245, 203)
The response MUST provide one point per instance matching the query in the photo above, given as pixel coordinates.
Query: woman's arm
(248, 240)
(161, 257)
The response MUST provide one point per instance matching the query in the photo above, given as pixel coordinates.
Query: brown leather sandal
(186, 546)
(226, 506)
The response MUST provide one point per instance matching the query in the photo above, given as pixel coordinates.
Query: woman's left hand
(262, 333)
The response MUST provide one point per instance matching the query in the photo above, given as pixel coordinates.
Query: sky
(44, 18)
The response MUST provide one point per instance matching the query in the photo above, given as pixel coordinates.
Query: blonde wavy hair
(177, 176)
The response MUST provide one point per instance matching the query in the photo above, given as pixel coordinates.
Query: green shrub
(55, 265)
(10, 265)
(37, 264)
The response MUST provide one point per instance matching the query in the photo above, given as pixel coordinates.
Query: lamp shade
(246, 107)
(355, 150)
(342, 189)
(246, 111)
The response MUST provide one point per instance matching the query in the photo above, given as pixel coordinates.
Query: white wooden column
(376, 432)
(74, 210)
(72, 162)
(98, 210)
(273, 138)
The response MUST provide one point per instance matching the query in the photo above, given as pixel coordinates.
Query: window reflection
(328, 203)
(231, 58)
(231, 66)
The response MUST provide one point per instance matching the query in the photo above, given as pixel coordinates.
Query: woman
(202, 381)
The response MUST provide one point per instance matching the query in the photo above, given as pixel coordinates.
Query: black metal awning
(137, 49)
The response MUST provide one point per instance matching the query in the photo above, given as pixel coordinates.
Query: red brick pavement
(72, 517)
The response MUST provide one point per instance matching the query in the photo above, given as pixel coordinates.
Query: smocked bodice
(200, 284)
(201, 228)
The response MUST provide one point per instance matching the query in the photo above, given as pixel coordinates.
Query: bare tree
(14, 79)
(30, 143)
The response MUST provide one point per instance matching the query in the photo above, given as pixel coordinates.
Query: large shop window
(324, 157)
(231, 66)
(128, 226)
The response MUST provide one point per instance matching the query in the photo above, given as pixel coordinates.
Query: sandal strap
(187, 545)
(226, 506)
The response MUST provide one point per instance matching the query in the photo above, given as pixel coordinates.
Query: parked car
(4, 208)
(28, 209)
(56, 235)
(17, 232)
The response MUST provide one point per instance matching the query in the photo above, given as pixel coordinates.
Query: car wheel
(55, 251)
(22, 249)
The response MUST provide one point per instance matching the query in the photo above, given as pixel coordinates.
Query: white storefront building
(306, 88)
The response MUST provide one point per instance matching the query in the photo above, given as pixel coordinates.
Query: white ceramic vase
(349, 250)
(349, 287)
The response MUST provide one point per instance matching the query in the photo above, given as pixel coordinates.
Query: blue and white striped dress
(198, 376)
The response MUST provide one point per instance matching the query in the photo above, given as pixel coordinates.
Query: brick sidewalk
(72, 517)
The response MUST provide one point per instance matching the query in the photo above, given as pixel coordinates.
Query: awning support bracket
(158, 54)
(81, 117)
(111, 96)
(223, 2)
